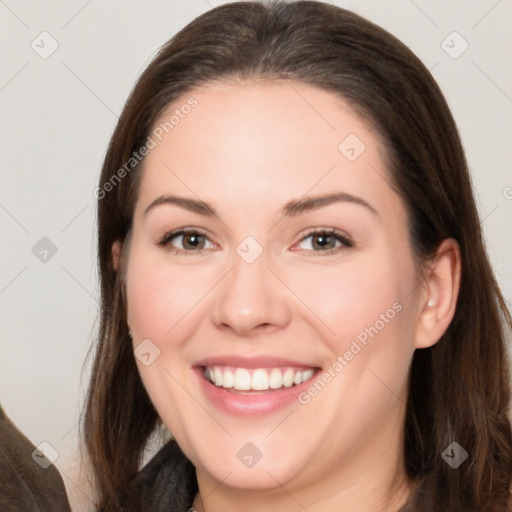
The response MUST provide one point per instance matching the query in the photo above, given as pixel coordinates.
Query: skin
(247, 149)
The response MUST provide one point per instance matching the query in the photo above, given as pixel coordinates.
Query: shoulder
(27, 485)
(167, 481)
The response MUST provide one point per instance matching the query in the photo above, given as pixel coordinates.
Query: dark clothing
(168, 481)
(24, 485)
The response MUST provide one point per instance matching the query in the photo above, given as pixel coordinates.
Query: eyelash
(333, 233)
(165, 241)
(168, 237)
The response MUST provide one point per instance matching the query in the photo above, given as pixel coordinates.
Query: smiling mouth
(258, 379)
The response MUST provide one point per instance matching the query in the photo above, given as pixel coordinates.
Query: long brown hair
(459, 389)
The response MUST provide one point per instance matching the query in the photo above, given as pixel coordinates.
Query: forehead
(260, 144)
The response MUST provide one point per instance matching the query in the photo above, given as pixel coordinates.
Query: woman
(294, 282)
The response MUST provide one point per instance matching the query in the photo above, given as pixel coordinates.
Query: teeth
(242, 380)
(260, 379)
(288, 378)
(307, 375)
(275, 380)
(217, 376)
(228, 379)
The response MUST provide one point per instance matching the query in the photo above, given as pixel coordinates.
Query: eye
(326, 242)
(191, 241)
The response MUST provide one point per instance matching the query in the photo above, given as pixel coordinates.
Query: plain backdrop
(58, 111)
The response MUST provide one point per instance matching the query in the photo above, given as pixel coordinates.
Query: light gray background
(58, 114)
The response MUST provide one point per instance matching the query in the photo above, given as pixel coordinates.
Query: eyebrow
(290, 209)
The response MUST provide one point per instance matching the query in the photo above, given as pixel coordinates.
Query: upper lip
(252, 362)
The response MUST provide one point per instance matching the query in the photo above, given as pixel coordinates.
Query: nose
(251, 299)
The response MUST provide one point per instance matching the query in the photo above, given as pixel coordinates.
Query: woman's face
(295, 290)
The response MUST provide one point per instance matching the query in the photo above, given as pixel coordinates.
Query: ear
(116, 254)
(439, 295)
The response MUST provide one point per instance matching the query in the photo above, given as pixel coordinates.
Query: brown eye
(326, 242)
(185, 241)
(192, 241)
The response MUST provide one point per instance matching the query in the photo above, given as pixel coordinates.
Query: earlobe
(441, 290)
(116, 254)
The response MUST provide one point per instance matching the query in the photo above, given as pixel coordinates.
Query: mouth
(247, 387)
(239, 379)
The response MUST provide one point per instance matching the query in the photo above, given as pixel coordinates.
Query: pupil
(194, 237)
(323, 240)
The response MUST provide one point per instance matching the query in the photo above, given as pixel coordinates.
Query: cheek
(159, 295)
(353, 296)
(364, 308)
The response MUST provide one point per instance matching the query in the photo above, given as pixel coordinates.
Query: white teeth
(228, 379)
(288, 378)
(260, 379)
(217, 376)
(242, 379)
(307, 375)
(275, 380)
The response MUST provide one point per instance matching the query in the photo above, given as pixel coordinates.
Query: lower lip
(255, 403)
